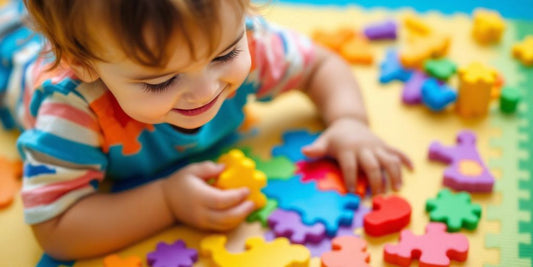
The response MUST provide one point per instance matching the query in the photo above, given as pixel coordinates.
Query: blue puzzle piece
(436, 96)
(47, 261)
(328, 207)
(292, 144)
(392, 69)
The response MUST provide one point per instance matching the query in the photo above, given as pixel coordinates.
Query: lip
(198, 110)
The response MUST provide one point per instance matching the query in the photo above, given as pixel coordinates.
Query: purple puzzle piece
(412, 90)
(381, 31)
(289, 224)
(175, 255)
(461, 157)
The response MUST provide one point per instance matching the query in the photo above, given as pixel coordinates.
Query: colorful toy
(334, 40)
(455, 210)
(293, 142)
(524, 51)
(434, 249)
(357, 50)
(240, 171)
(176, 254)
(441, 69)
(289, 224)
(391, 69)
(467, 170)
(262, 214)
(346, 251)
(388, 215)
(476, 82)
(385, 30)
(416, 26)
(437, 96)
(327, 207)
(258, 253)
(10, 174)
(412, 90)
(274, 168)
(488, 26)
(509, 99)
(116, 261)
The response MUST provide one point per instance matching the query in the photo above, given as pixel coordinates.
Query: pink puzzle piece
(434, 249)
(467, 171)
(389, 215)
(346, 251)
(289, 224)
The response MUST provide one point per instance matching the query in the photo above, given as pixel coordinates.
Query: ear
(84, 71)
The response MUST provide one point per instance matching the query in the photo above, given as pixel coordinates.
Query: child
(136, 89)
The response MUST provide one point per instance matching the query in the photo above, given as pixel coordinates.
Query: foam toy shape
(509, 99)
(261, 215)
(293, 141)
(416, 26)
(274, 168)
(116, 261)
(388, 215)
(289, 224)
(346, 251)
(386, 30)
(436, 248)
(424, 48)
(357, 51)
(328, 207)
(455, 210)
(392, 69)
(334, 39)
(523, 51)
(441, 69)
(412, 90)
(476, 82)
(258, 253)
(240, 171)
(488, 26)
(10, 174)
(176, 254)
(467, 171)
(437, 96)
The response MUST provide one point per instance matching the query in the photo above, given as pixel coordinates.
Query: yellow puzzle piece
(240, 171)
(524, 51)
(476, 82)
(258, 253)
(488, 26)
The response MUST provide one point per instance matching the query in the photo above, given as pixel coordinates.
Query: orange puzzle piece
(388, 215)
(476, 83)
(116, 261)
(346, 42)
(278, 252)
(10, 174)
(240, 171)
(346, 251)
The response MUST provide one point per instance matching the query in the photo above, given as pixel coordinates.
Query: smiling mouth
(198, 110)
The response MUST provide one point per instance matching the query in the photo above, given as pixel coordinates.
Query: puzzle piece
(388, 215)
(258, 253)
(441, 69)
(392, 69)
(240, 171)
(10, 174)
(289, 224)
(385, 30)
(262, 214)
(293, 141)
(488, 26)
(423, 48)
(176, 254)
(509, 99)
(476, 82)
(467, 171)
(357, 50)
(116, 261)
(327, 207)
(523, 51)
(346, 251)
(434, 249)
(412, 90)
(274, 168)
(455, 211)
(335, 39)
(437, 96)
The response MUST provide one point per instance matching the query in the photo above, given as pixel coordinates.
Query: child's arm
(102, 223)
(333, 88)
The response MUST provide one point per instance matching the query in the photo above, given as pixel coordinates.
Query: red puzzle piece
(434, 249)
(388, 215)
(346, 251)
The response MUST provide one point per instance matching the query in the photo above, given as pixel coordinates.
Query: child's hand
(355, 146)
(193, 201)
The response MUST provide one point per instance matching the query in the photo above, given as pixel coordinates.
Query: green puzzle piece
(455, 210)
(279, 168)
(262, 214)
(441, 69)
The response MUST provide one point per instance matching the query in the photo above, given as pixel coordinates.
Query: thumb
(317, 149)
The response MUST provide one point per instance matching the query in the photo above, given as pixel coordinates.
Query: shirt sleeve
(280, 57)
(63, 159)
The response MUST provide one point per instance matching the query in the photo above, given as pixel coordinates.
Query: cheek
(239, 69)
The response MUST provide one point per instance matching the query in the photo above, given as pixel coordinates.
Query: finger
(403, 158)
(370, 164)
(205, 170)
(392, 165)
(223, 220)
(219, 199)
(348, 163)
(317, 149)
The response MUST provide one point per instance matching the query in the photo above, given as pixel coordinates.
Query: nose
(201, 87)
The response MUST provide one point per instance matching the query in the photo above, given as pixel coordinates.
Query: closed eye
(160, 87)
(228, 57)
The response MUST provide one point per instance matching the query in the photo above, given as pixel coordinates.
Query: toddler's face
(188, 91)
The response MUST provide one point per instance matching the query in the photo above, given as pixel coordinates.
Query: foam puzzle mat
(504, 233)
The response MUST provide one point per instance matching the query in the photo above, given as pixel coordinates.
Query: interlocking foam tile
(346, 251)
(261, 215)
(455, 210)
(274, 168)
(175, 254)
(293, 141)
(116, 261)
(289, 224)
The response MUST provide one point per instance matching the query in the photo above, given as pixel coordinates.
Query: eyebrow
(154, 76)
